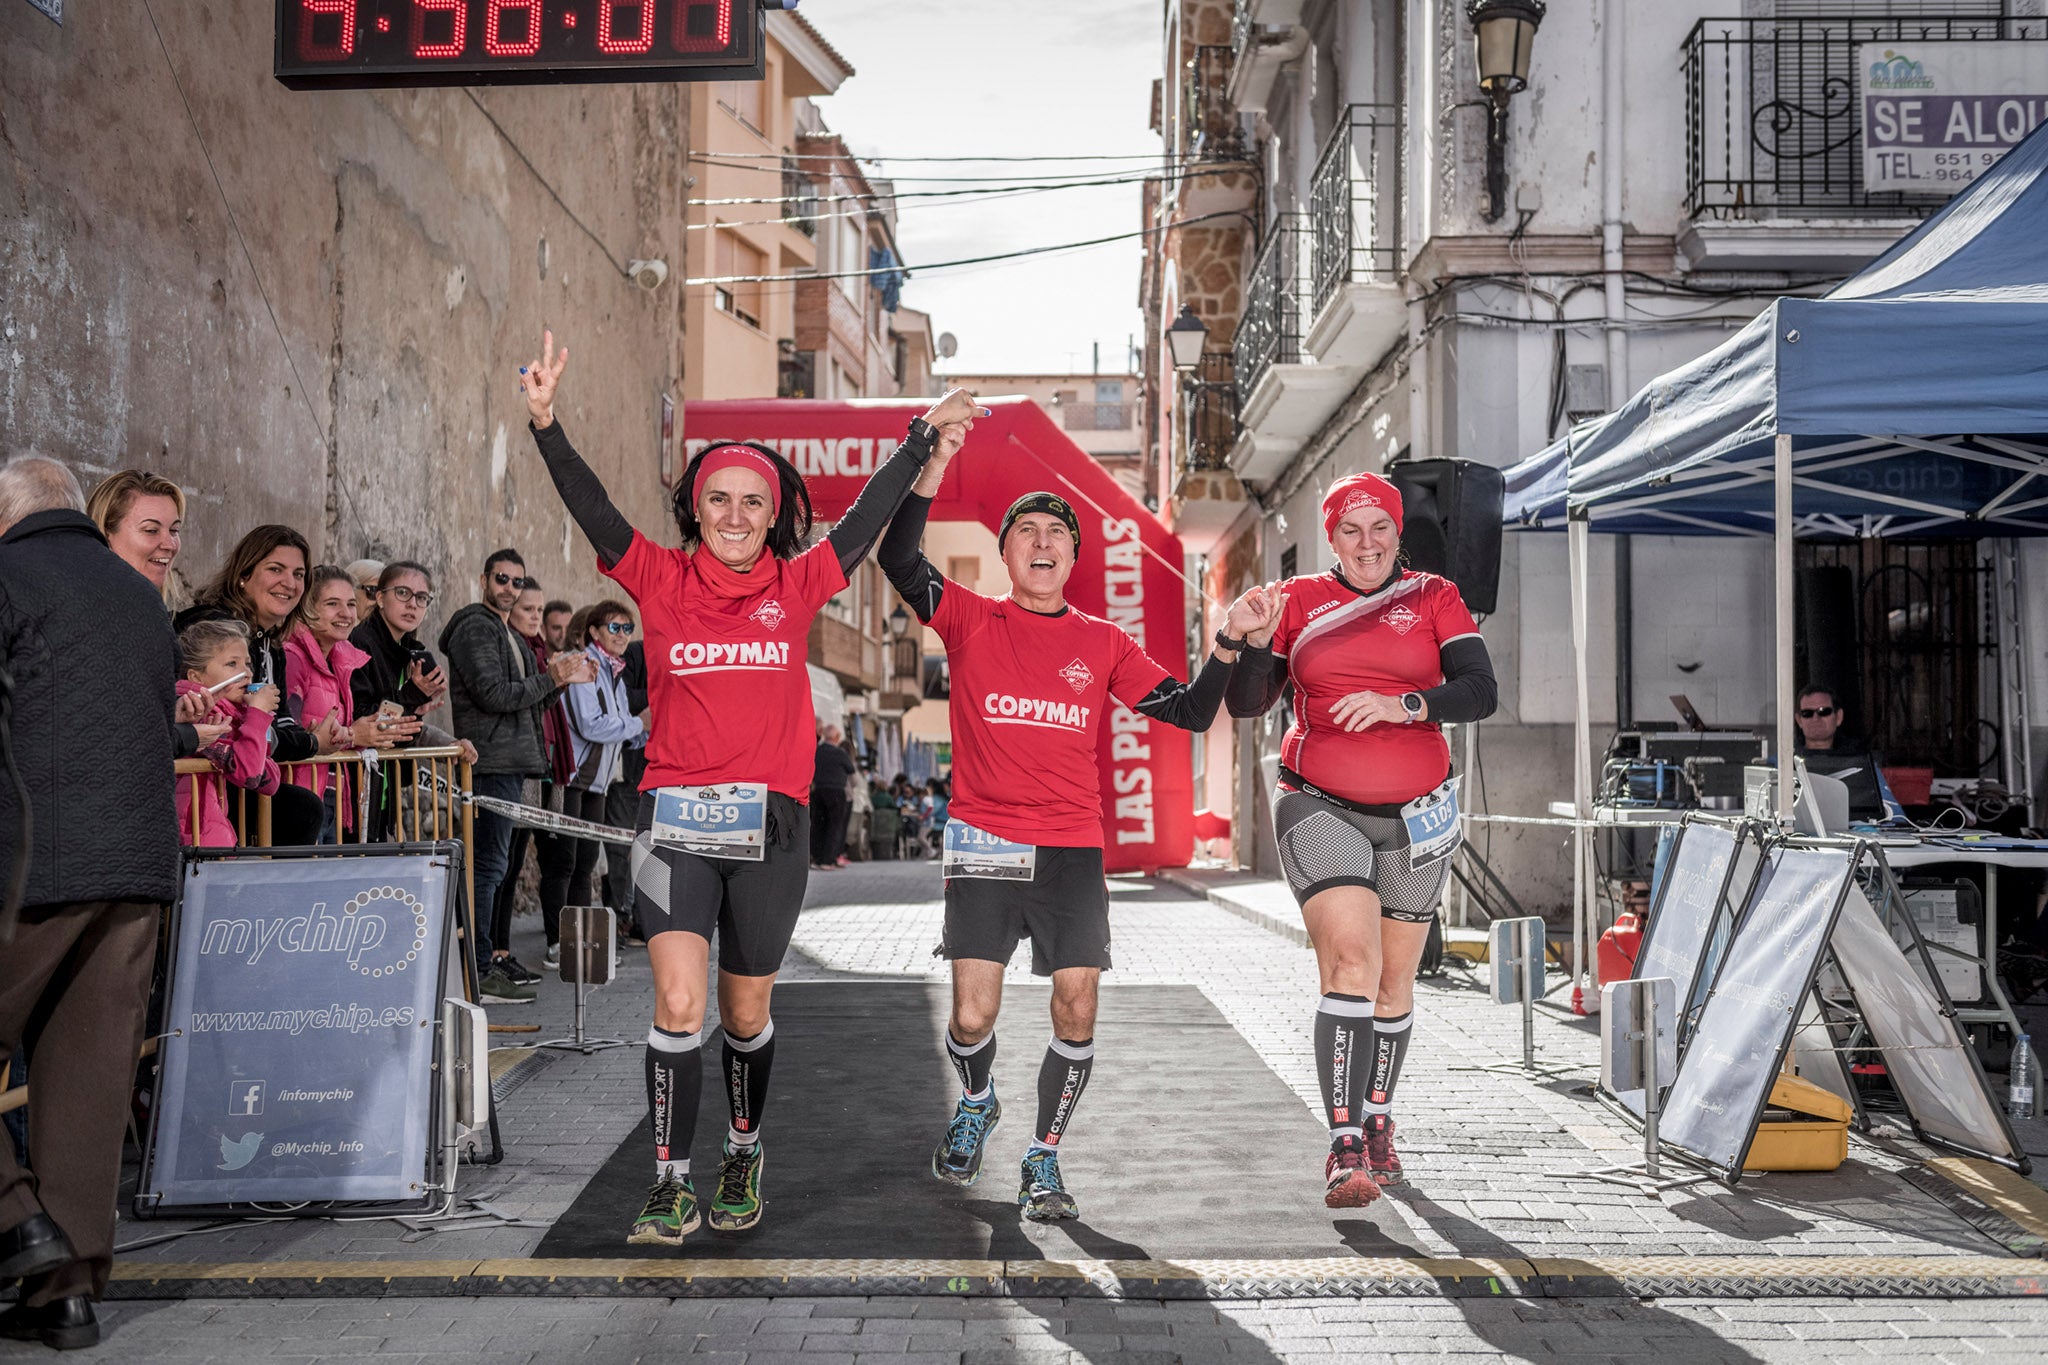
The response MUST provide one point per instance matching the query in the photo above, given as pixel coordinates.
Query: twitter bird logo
(235, 1155)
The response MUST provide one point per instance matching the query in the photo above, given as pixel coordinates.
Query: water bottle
(2020, 1097)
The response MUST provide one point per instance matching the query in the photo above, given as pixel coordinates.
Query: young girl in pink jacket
(216, 660)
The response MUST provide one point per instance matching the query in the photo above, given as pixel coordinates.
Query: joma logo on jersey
(1318, 611)
(1077, 675)
(1003, 709)
(769, 614)
(1401, 618)
(698, 656)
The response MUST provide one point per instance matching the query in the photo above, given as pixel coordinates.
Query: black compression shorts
(1064, 908)
(752, 906)
(1324, 845)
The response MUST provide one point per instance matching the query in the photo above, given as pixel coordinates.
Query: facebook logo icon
(245, 1098)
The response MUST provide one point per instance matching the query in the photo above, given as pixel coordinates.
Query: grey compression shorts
(1324, 845)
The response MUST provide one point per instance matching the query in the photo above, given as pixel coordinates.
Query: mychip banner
(1938, 115)
(298, 1039)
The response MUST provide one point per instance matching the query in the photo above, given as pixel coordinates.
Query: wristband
(1223, 641)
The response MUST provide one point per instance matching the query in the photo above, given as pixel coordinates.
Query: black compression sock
(1062, 1076)
(1342, 1024)
(1389, 1048)
(747, 1061)
(975, 1065)
(675, 1082)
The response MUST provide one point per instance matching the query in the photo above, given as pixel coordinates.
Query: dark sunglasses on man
(505, 580)
(1815, 712)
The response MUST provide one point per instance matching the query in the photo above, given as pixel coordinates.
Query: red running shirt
(1029, 697)
(727, 676)
(1336, 642)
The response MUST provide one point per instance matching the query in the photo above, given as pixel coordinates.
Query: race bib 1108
(972, 852)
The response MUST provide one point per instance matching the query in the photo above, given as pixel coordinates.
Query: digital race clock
(346, 44)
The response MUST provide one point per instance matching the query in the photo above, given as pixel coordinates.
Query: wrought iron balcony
(1209, 414)
(1209, 127)
(1355, 202)
(1269, 332)
(1241, 25)
(1098, 416)
(800, 198)
(1773, 124)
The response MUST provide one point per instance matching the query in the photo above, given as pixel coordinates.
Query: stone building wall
(311, 307)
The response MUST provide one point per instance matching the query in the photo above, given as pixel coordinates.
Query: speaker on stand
(1451, 524)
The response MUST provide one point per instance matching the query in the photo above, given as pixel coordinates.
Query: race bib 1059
(726, 820)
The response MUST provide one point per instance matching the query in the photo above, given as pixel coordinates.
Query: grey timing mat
(1186, 1145)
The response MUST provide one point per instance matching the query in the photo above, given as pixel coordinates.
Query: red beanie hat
(1348, 495)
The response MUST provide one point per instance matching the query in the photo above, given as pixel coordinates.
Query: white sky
(987, 78)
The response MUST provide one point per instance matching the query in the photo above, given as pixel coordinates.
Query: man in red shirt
(1031, 682)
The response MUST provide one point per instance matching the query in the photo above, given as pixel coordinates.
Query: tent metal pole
(1782, 524)
(1582, 752)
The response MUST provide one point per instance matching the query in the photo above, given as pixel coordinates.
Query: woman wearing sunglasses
(601, 727)
(724, 817)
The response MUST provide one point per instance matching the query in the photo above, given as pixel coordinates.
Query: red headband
(740, 457)
(1355, 493)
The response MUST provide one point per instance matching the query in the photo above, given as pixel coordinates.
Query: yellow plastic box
(1814, 1138)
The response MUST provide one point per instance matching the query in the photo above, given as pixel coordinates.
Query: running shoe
(737, 1205)
(496, 988)
(957, 1158)
(670, 1215)
(1347, 1178)
(1380, 1157)
(1042, 1195)
(518, 971)
(552, 958)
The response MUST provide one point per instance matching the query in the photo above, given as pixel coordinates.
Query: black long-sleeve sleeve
(1189, 705)
(1256, 681)
(602, 523)
(1468, 691)
(879, 499)
(903, 560)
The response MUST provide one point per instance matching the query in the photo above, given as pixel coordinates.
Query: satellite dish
(949, 345)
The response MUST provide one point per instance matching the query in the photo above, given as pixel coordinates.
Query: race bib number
(972, 852)
(1432, 822)
(728, 820)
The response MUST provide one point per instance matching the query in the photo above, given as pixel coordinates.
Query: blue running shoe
(957, 1158)
(1042, 1196)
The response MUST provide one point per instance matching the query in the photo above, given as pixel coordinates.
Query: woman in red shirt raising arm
(1366, 815)
(724, 821)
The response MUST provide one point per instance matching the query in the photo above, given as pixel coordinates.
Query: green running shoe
(1042, 1196)
(670, 1215)
(957, 1158)
(737, 1205)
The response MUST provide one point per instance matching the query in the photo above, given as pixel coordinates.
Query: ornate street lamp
(1188, 335)
(1503, 32)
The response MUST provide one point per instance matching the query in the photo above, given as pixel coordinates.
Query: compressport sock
(1389, 1047)
(675, 1082)
(1062, 1076)
(747, 1061)
(1342, 1022)
(975, 1064)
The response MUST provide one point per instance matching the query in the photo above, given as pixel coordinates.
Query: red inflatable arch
(1127, 572)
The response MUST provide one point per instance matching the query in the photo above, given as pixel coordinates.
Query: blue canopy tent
(1912, 400)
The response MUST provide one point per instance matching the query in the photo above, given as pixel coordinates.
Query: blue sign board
(299, 1036)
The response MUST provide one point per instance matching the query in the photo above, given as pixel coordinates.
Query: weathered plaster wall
(311, 307)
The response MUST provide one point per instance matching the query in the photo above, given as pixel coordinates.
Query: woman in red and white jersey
(724, 819)
(1366, 814)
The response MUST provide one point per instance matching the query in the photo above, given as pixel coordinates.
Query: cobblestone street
(1484, 1153)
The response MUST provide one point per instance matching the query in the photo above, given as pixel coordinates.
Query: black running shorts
(1064, 908)
(752, 905)
(1324, 845)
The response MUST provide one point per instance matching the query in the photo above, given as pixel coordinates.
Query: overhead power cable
(968, 260)
(1235, 168)
(1105, 175)
(880, 160)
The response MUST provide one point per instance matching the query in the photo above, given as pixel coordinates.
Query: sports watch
(1411, 702)
(1223, 641)
(924, 438)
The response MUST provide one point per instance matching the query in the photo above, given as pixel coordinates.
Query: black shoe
(34, 1245)
(62, 1324)
(519, 971)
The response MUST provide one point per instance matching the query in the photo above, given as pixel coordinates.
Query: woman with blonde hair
(142, 515)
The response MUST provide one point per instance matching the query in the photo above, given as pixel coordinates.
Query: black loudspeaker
(1450, 524)
(1824, 617)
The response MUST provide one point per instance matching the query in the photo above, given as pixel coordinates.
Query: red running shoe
(1348, 1182)
(1380, 1156)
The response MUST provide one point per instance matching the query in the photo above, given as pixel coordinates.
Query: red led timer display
(327, 44)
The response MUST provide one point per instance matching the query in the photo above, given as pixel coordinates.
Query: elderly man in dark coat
(92, 662)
